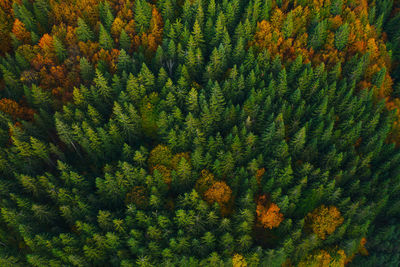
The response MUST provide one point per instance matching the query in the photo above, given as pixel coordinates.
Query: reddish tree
(268, 214)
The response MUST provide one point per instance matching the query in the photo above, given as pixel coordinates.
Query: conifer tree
(124, 41)
(59, 49)
(341, 36)
(86, 69)
(142, 12)
(84, 32)
(199, 133)
(105, 39)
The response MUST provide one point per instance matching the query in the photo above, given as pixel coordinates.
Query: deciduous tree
(323, 221)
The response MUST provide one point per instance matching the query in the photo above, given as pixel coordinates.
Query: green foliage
(124, 41)
(59, 49)
(105, 39)
(146, 157)
(86, 69)
(318, 35)
(142, 11)
(84, 33)
(342, 36)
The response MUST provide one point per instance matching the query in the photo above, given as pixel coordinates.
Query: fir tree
(84, 32)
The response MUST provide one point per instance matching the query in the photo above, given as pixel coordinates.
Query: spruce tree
(84, 32)
(105, 39)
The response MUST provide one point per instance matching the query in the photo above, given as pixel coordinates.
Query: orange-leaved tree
(219, 192)
(20, 32)
(15, 110)
(268, 214)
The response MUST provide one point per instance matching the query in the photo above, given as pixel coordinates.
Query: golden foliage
(46, 42)
(68, 11)
(6, 24)
(322, 258)
(323, 221)
(47, 49)
(111, 57)
(362, 248)
(117, 27)
(124, 9)
(268, 215)
(88, 49)
(239, 261)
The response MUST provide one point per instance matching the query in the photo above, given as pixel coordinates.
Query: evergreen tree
(84, 32)
(59, 49)
(341, 36)
(199, 133)
(142, 12)
(86, 69)
(124, 41)
(105, 39)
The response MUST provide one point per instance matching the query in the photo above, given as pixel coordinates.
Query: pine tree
(59, 49)
(288, 26)
(41, 11)
(124, 41)
(86, 69)
(336, 7)
(341, 36)
(197, 35)
(102, 85)
(40, 97)
(124, 62)
(317, 37)
(217, 103)
(84, 32)
(105, 39)
(195, 152)
(142, 12)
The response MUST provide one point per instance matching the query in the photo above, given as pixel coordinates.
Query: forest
(200, 133)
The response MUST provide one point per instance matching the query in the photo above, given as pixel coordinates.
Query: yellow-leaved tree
(323, 221)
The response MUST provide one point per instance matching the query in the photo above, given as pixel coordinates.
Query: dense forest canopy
(199, 133)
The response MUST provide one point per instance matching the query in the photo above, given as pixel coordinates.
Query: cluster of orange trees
(345, 32)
